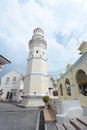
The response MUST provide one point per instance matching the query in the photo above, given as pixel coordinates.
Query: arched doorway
(81, 79)
(68, 89)
(61, 90)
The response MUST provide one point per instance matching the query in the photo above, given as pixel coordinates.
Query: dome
(38, 31)
(38, 39)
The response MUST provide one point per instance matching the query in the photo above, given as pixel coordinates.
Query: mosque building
(72, 88)
(73, 83)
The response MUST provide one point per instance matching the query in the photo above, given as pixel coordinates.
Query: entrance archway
(68, 89)
(81, 79)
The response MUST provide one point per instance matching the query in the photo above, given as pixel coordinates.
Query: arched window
(68, 89)
(61, 90)
(81, 79)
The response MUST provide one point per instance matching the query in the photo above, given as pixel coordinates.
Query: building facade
(53, 91)
(73, 83)
(3, 61)
(12, 86)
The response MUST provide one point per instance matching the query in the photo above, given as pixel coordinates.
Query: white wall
(11, 85)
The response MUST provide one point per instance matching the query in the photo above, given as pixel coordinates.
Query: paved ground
(85, 111)
(15, 118)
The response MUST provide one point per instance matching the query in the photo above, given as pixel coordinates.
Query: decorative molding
(36, 58)
(35, 74)
(74, 65)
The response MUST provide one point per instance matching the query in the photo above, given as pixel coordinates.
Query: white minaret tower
(36, 79)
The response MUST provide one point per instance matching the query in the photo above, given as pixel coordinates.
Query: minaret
(36, 79)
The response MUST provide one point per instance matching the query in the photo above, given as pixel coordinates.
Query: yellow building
(73, 83)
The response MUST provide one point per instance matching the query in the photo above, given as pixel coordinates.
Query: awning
(3, 60)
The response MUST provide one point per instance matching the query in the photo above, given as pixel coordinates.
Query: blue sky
(64, 23)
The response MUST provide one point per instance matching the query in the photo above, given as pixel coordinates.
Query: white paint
(36, 79)
(68, 109)
(12, 86)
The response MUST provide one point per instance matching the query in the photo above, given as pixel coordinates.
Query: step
(68, 126)
(83, 120)
(59, 126)
(77, 124)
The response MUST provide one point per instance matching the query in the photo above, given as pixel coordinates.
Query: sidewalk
(17, 118)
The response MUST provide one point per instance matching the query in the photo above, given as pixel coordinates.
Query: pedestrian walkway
(15, 118)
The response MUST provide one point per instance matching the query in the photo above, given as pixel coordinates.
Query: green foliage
(46, 99)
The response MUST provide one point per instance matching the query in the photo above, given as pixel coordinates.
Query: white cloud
(18, 18)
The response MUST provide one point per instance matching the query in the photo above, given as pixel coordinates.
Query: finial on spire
(38, 32)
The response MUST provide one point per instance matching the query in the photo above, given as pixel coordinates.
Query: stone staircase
(79, 123)
(68, 126)
(74, 124)
(82, 120)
